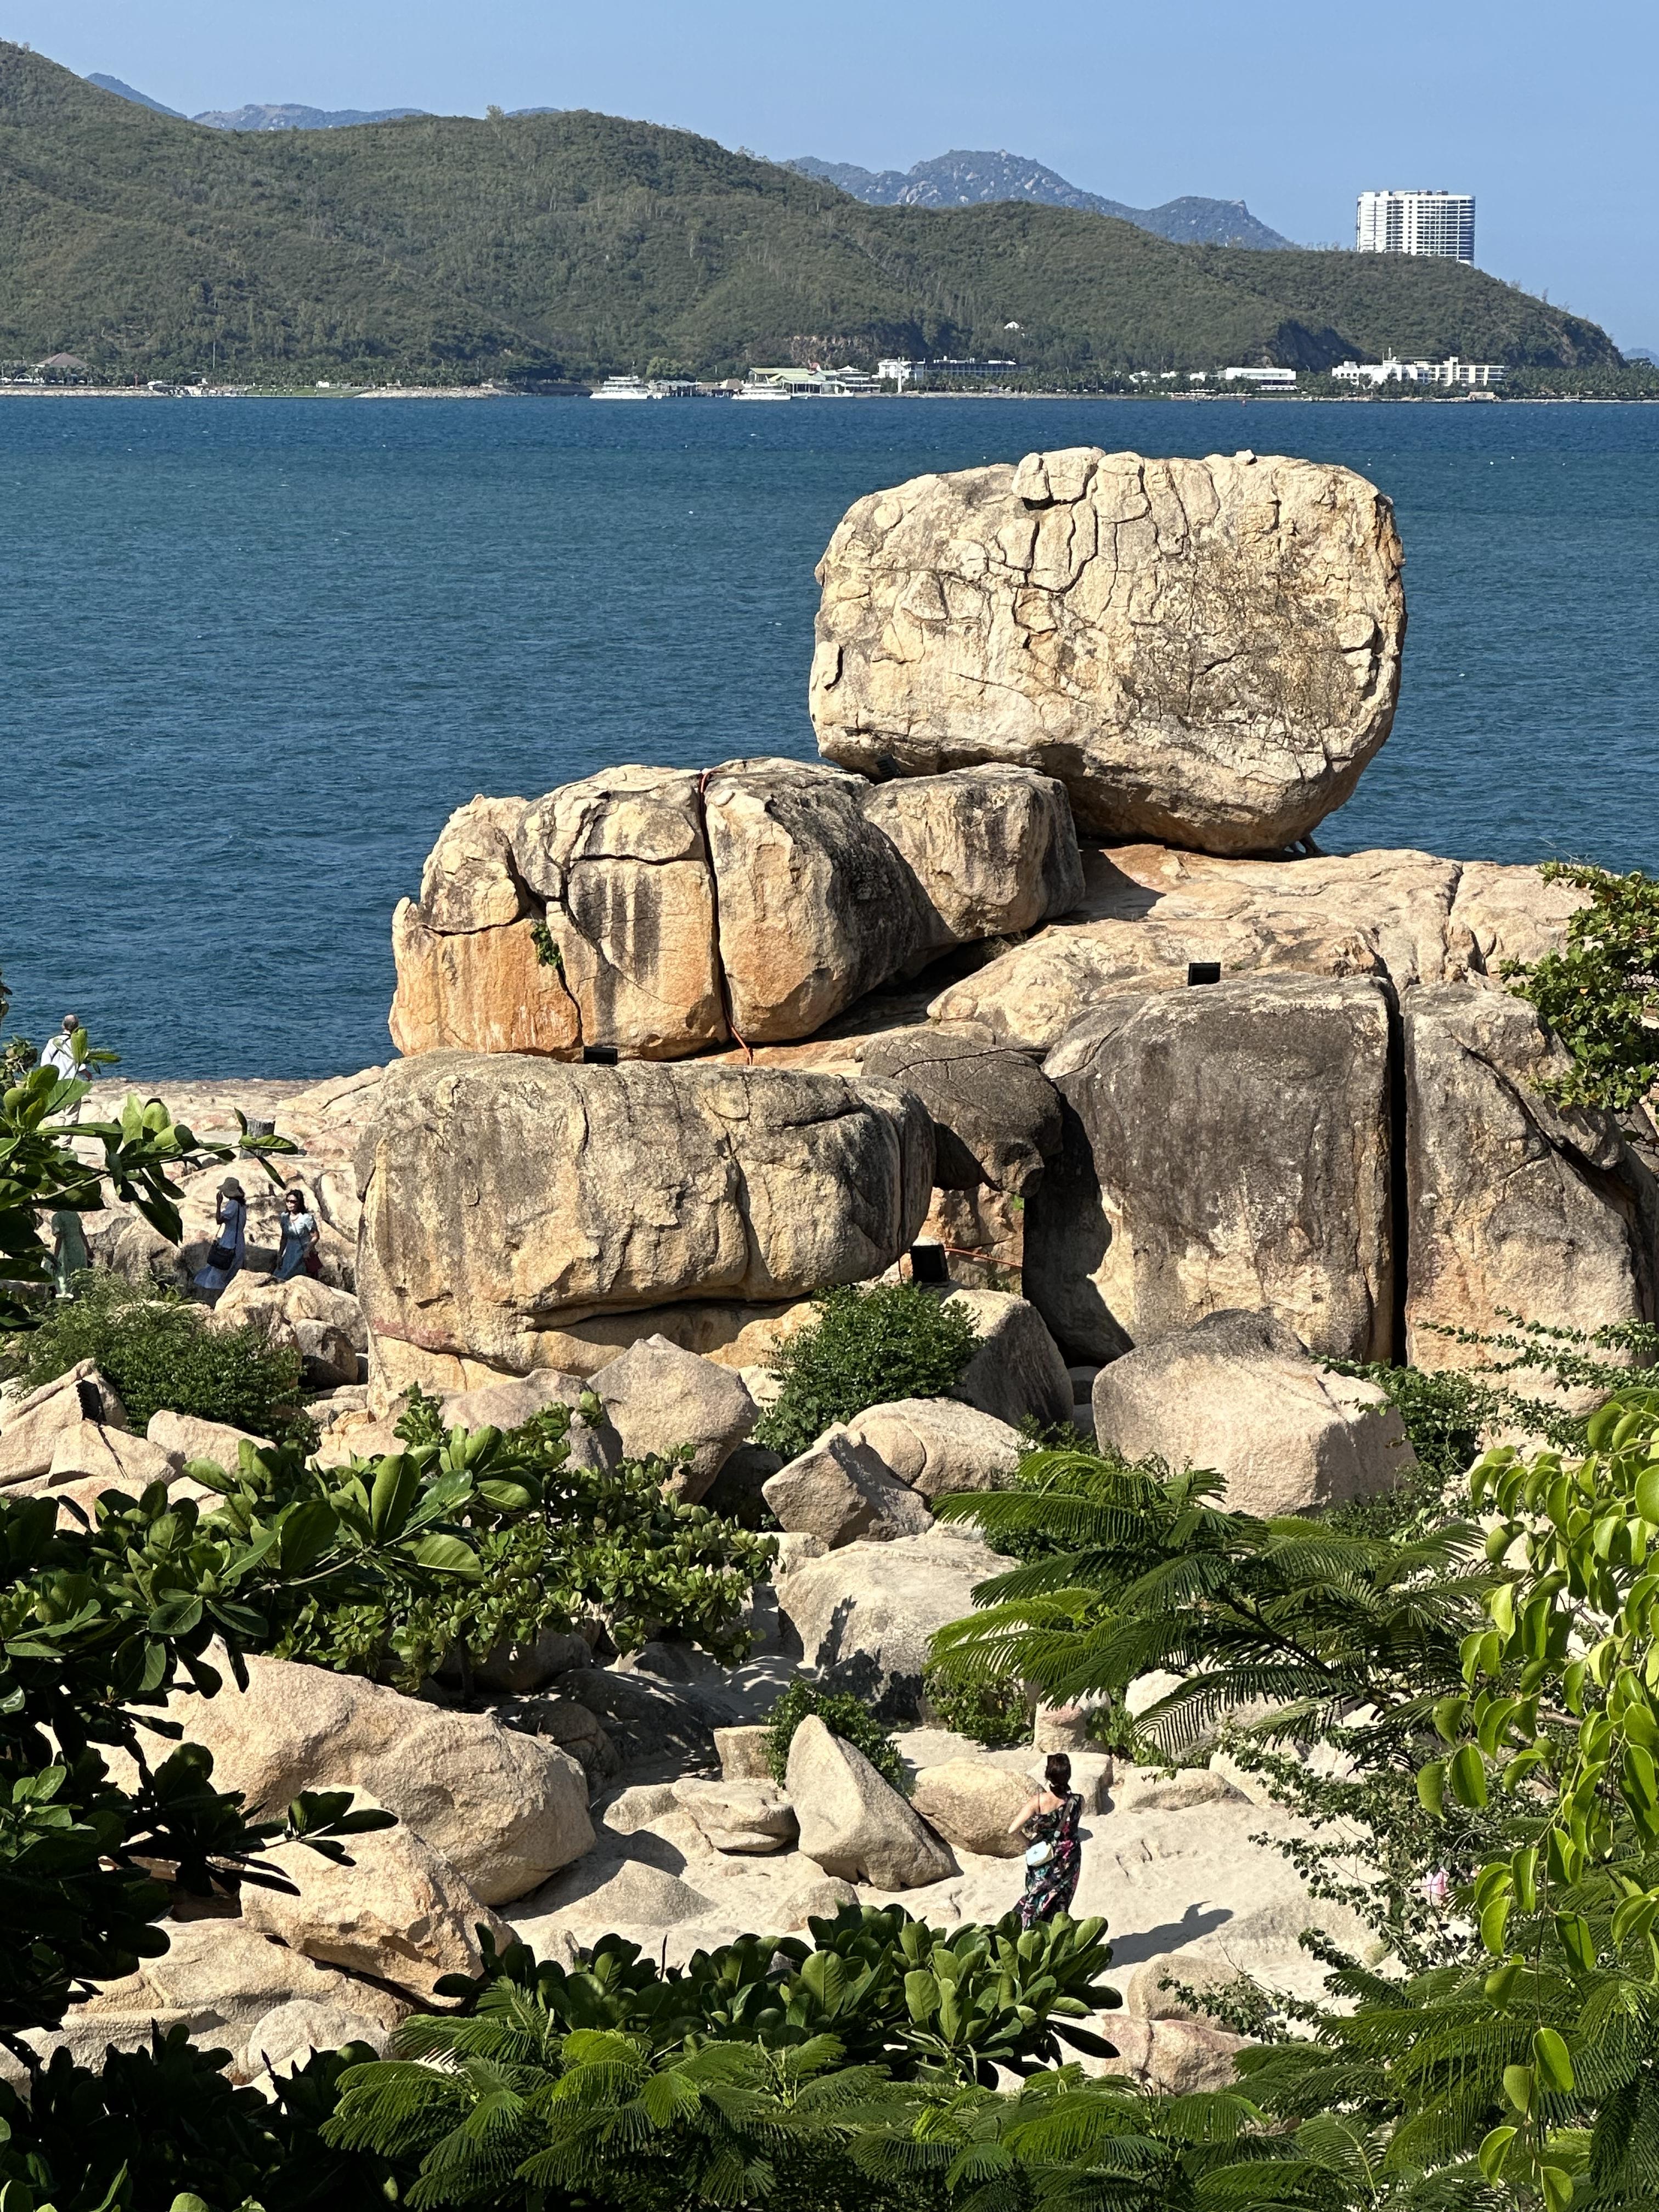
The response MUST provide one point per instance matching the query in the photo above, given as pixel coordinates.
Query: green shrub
(844, 1716)
(1600, 993)
(1443, 1416)
(158, 1351)
(866, 1348)
(995, 1714)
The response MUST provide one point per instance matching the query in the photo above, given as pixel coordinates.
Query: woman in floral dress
(1055, 1857)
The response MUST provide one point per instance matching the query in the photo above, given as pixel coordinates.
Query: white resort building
(1476, 374)
(1439, 224)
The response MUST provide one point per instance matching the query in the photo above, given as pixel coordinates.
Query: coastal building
(814, 383)
(1438, 224)
(1267, 380)
(900, 372)
(1476, 375)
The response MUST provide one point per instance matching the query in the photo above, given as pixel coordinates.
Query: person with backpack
(1053, 1859)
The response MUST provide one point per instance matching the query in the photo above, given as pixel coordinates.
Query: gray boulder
(995, 1115)
(994, 848)
(936, 1445)
(1239, 1395)
(852, 1822)
(747, 1818)
(659, 1397)
(1018, 1372)
(1240, 1143)
(30, 1428)
(1516, 1205)
(506, 1198)
(866, 1614)
(841, 1490)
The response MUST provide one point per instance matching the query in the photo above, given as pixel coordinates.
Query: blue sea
(252, 652)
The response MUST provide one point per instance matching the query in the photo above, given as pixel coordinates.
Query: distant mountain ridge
(259, 115)
(969, 179)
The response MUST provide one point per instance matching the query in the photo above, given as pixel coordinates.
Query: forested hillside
(577, 244)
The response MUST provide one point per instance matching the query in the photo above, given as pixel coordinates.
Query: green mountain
(578, 245)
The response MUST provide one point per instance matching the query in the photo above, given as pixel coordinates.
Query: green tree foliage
(843, 1715)
(995, 1714)
(758, 2073)
(1443, 1415)
(1600, 995)
(156, 1349)
(447, 248)
(866, 1347)
(473, 1540)
(1155, 1574)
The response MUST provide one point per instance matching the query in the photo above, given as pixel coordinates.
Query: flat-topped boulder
(504, 1198)
(662, 911)
(1205, 652)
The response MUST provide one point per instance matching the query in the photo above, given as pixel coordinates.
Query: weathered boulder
(1206, 652)
(223, 1977)
(621, 862)
(744, 1818)
(937, 1446)
(399, 1911)
(1148, 1994)
(185, 1437)
(328, 1355)
(283, 2040)
(32, 1427)
(1018, 1372)
(503, 1199)
(815, 908)
(89, 1452)
(490, 990)
(840, 1490)
(261, 1299)
(1239, 1395)
(504, 1809)
(866, 1614)
(469, 881)
(1171, 2057)
(852, 1822)
(995, 850)
(1240, 1138)
(1516, 1205)
(817, 1900)
(568, 1722)
(971, 1803)
(743, 1752)
(995, 1115)
(659, 1397)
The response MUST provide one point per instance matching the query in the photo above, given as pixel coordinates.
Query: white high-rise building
(1437, 224)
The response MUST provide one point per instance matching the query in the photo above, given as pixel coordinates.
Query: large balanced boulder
(866, 1614)
(852, 1822)
(660, 911)
(505, 1809)
(1205, 652)
(1515, 1205)
(1238, 1395)
(504, 1198)
(1240, 1138)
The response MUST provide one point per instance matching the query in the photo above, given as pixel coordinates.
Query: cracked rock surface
(1203, 651)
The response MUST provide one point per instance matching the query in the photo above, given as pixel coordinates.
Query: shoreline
(473, 391)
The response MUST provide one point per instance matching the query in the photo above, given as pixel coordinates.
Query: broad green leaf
(447, 1555)
(1551, 2059)
(1493, 2150)
(1467, 1773)
(1518, 2088)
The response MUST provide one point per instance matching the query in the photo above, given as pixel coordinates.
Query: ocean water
(252, 652)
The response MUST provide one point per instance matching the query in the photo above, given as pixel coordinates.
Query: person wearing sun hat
(226, 1254)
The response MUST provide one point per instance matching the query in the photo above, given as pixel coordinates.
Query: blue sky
(1545, 112)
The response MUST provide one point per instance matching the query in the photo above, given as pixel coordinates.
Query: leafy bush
(866, 1348)
(844, 1716)
(995, 1714)
(1443, 1415)
(475, 1540)
(158, 1351)
(1601, 994)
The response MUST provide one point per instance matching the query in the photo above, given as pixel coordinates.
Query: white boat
(762, 392)
(623, 387)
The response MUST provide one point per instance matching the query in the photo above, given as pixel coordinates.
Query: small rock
(1173, 1792)
(852, 1822)
(661, 1397)
(639, 1895)
(936, 1446)
(971, 1804)
(185, 1437)
(568, 1722)
(637, 1807)
(89, 1452)
(330, 1357)
(398, 1912)
(1060, 1728)
(747, 1818)
(1018, 1372)
(819, 1901)
(1146, 1997)
(743, 1753)
(840, 1490)
(286, 2037)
